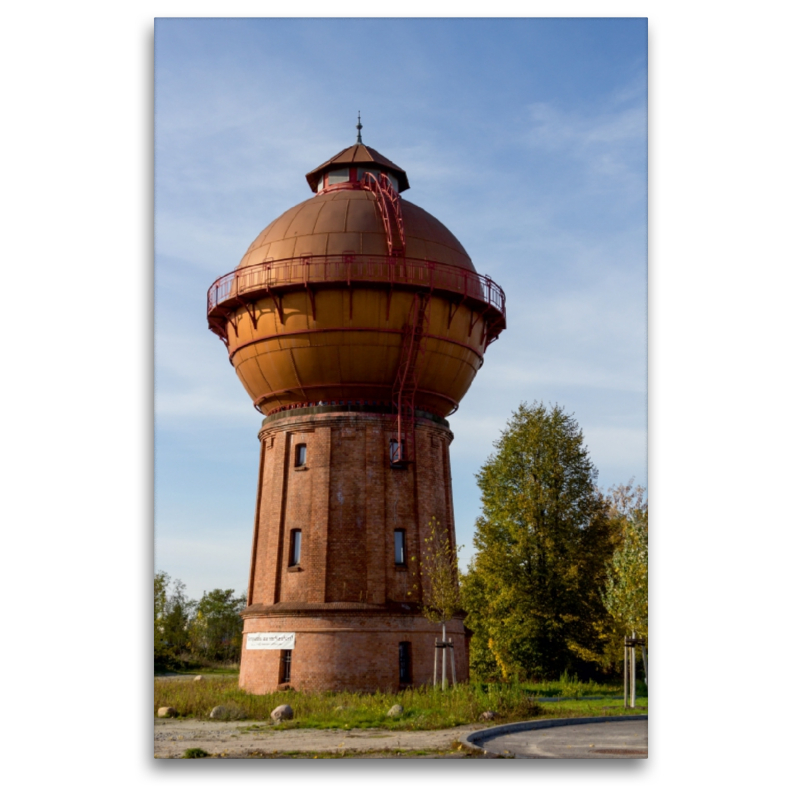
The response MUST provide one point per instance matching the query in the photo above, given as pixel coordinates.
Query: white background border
(77, 402)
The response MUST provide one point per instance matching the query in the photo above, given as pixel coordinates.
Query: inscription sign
(270, 641)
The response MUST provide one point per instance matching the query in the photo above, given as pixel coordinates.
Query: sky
(527, 138)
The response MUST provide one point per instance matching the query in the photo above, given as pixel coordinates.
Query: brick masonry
(346, 600)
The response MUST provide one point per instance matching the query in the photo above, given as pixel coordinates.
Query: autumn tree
(625, 592)
(439, 573)
(543, 542)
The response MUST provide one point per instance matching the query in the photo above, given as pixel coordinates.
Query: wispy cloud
(609, 144)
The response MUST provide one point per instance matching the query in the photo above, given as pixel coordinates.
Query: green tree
(173, 618)
(625, 593)
(543, 541)
(160, 584)
(217, 628)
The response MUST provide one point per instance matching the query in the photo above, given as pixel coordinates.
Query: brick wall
(341, 651)
(345, 599)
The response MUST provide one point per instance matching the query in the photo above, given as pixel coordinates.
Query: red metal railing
(389, 208)
(348, 268)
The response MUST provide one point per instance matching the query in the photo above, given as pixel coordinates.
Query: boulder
(167, 711)
(281, 713)
(488, 716)
(395, 711)
(227, 713)
(198, 677)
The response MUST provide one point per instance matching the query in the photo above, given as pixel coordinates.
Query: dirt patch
(261, 740)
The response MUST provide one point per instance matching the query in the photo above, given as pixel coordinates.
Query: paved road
(625, 739)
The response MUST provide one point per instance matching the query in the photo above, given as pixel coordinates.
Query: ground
(262, 740)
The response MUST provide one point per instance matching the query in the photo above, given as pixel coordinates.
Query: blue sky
(526, 137)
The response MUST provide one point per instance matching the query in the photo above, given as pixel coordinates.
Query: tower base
(353, 650)
(335, 585)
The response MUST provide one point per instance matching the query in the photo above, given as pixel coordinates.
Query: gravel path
(244, 739)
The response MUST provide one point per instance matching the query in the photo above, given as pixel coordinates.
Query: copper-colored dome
(336, 222)
(353, 293)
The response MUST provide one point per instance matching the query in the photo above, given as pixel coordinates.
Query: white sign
(270, 641)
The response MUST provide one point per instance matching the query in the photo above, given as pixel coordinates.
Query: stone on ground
(167, 711)
(489, 715)
(227, 713)
(395, 711)
(282, 712)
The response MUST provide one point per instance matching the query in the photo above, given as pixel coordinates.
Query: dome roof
(332, 223)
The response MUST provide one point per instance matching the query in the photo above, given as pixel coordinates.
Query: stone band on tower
(356, 322)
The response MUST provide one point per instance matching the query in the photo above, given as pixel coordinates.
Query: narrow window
(405, 662)
(286, 666)
(395, 452)
(300, 455)
(294, 547)
(400, 547)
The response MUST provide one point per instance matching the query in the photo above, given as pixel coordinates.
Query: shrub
(195, 752)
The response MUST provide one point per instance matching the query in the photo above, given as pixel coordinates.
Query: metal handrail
(348, 268)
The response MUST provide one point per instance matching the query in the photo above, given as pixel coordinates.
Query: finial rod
(358, 128)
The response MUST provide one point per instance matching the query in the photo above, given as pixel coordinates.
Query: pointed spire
(358, 128)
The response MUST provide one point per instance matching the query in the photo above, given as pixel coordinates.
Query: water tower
(356, 322)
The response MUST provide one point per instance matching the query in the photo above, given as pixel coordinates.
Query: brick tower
(356, 323)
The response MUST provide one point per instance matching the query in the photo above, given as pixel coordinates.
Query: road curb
(474, 739)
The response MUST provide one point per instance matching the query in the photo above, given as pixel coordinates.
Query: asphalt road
(617, 739)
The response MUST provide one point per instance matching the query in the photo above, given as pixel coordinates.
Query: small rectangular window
(286, 666)
(405, 662)
(294, 547)
(395, 452)
(300, 455)
(338, 176)
(400, 547)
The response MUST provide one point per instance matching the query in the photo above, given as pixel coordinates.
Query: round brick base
(348, 652)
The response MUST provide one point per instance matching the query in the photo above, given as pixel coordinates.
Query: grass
(231, 670)
(425, 708)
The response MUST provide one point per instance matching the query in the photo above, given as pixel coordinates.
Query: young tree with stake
(441, 595)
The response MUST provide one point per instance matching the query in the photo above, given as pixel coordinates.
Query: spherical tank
(356, 294)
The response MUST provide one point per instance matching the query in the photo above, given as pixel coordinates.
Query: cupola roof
(358, 155)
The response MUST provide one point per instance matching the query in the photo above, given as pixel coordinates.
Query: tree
(625, 592)
(439, 573)
(543, 540)
(173, 618)
(160, 584)
(217, 627)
